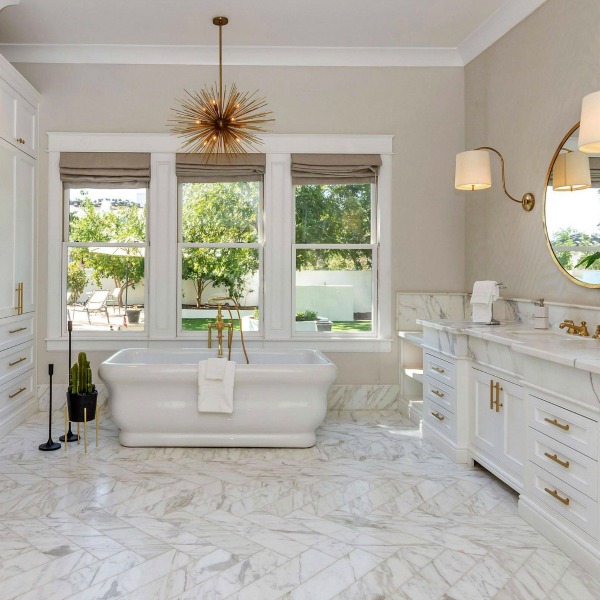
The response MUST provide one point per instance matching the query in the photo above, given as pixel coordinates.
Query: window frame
(162, 281)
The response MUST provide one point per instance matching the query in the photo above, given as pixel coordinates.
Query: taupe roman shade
(200, 168)
(335, 168)
(595, 171)
(115, 170)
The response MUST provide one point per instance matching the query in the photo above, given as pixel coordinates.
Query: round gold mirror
(572, 211)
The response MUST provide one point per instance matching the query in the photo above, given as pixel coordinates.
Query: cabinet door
(486, 427)
(514, 425)
(8, 294)
(26, 127)
(25, 229)
(8, 112)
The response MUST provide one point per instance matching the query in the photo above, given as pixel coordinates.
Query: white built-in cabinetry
(18, 174)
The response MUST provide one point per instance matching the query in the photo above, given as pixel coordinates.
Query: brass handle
(438, 394)
(17, 330)
(19, 291)
(438, 416)
(498, 403)
(555, 458)
(491, 394)
(557, 424)
(438, 369)
(17, 393)
(554, 494)
(16, 362)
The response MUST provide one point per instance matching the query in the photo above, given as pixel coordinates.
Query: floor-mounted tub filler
(280, 398)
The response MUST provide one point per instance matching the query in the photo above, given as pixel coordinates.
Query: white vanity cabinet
(499, 426)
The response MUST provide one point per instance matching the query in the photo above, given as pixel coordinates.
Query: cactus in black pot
(82, 392)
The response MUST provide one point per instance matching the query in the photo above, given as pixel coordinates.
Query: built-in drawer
(573, 430)
(15, 361)
(575, 507)
(440, 393)
(439, 369)
(15, 392)
(572, 467)
(440, 420)
(15, 331)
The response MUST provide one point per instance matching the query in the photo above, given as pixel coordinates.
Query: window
(335, 255)
(220, 246)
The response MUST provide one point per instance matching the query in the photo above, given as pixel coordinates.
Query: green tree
(570, 259)
(123, 224)
(76, 280)
(219, 213)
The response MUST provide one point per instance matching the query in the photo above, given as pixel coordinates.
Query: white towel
(216, 395)
(215, 368)
(485, 293)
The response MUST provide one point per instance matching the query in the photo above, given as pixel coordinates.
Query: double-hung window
(220, 239)
(105, 241)
(336, 247)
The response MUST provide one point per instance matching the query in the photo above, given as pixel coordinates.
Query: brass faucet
(573, 329)
(596, 336)
(220, 325)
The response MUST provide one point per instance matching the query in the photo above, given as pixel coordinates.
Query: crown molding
(272, 56)
(497, 25)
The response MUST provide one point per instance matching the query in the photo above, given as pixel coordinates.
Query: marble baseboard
(363, 397)
(59, 396)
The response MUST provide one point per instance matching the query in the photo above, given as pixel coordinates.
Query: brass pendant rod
(220, 63)
(503, 177)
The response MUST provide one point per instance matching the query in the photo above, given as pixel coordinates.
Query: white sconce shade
(571, 172)
(473, 170)
(589, 129)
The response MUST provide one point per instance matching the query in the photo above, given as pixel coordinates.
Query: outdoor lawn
(351, 326)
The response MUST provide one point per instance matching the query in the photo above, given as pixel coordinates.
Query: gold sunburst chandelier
(217, 120)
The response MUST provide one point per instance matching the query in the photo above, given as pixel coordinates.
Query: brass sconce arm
(528, 200)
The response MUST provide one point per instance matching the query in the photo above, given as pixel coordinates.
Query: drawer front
(15, 361)
(574, 506)
(569, 428)
(440, 393)
(15, 392)
(570, 466)
(439, 369)
(440, 420)
(16, 331)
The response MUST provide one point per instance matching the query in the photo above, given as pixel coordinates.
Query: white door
(8, 295)
(514, 427)
(25, 229)
(485, 419)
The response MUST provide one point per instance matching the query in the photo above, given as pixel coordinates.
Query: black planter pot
(133, 315)
(76, 404)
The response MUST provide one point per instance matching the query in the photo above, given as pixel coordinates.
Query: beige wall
(522, 96)
(422, 107)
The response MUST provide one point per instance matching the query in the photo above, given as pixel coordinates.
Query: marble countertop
(548, 344)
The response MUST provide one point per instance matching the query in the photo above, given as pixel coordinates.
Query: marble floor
(371, 512)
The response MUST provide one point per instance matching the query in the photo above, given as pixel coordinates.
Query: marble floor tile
(371, 512)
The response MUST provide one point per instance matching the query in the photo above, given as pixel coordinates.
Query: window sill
(326, 345)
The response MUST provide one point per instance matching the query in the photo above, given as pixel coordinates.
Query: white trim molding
(5, 3)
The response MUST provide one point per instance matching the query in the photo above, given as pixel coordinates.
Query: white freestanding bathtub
(280, 398)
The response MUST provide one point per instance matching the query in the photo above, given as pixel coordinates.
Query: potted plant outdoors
(306, 320)
(82, 393)
(133, 314)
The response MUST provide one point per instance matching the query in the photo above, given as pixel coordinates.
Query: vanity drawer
(15, 361)
(15, 331)
(564, 500)
(572, 467)
(571, 429)
(440, 393)
(439, 369)
(440, 420)
(15, 392)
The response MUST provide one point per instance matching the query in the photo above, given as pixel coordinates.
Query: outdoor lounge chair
(97, 304)
(113, 299)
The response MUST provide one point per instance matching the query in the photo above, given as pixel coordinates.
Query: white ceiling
(447, 32)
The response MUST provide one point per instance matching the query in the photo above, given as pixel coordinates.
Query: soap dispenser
(540, 314)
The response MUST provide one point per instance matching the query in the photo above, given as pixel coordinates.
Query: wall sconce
(571, 172)
(473, 173)
(589, 128)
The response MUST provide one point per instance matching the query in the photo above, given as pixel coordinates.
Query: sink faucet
(573, 329)
(596, 336)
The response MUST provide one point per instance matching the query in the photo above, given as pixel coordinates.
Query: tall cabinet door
(25, 229)
(8, 167)
(514, 423)
(485, 421)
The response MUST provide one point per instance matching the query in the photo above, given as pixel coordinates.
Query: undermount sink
(549, 334)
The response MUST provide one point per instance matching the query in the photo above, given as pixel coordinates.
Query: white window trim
(162, 284)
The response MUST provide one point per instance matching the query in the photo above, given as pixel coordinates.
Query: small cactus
(81, 376)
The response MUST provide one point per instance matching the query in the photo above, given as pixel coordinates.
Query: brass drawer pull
(17, 393)
(554, 494)
(438, 416)
(17, 330)
(557, 424)
(555, 458)
(438, 369)
(16, 362)
(438, 394)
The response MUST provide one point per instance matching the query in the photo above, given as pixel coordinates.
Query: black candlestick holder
(70, 436)
(50, 444)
